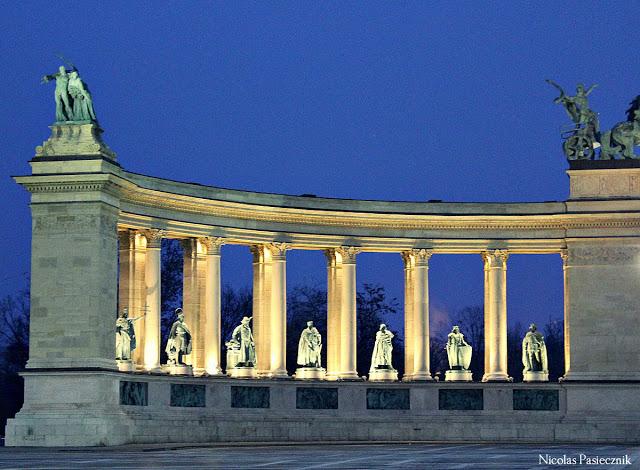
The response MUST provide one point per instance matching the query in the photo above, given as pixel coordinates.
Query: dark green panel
(460, 399)
(536, 400)
(316, 398)
(187, 395)
(388, 399)
(134, 393)
(250, 397)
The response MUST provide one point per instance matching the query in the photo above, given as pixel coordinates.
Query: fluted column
(566, 269)
(131, 288)
(334, 273)
(261, 307)
(152, 278)
(421, 353)
(278, 313)
(495, 334)
(408, 314)
(212, 306)
(348, 332)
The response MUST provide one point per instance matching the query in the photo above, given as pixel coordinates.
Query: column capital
(421, 256)
(278, 250)
(407, 259)
(212, 244)
(564, 254)
(348, 253)
(154, 237)
(495, 258)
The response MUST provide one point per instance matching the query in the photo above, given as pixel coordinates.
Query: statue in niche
(180, 340)
(534, 351)
(458, 350)
(73, 99)
(243, 337)
(381, 357)
(125, 335)
(309, 347)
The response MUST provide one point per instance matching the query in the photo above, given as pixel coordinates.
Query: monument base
(383, 375)
(242, 372)
(533, 376)
(105, 408)
(126, 366)
(178, 369)
(458, 376)
(310, 373)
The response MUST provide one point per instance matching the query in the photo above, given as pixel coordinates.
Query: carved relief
(603, 255)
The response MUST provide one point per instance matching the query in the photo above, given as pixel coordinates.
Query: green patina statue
(583, 138)
(73, 99)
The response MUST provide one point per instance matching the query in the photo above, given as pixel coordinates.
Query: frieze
(603, 255)
(63, 223)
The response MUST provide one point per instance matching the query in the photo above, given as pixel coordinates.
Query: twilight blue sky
(377, 100)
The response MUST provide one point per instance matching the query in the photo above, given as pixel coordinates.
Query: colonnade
(140, 288)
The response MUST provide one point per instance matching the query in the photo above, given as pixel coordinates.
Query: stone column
(193, 299)
(334, 272)
(212, 306)
(495, 334)
(261, 307)
(152, 278)
(278, 313)
(408, 314)
(564, 254)
(420, 336)
(132, 290)
(348, 313)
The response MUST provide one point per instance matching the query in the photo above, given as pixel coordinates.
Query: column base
(383, 375)
(420, 377)
(242, 372)
(177, 369)
(458, 376)
(349, 376)
(278, 374)
(496, 377)
(310, 373)
(126, 365)
(535, 376)
(217, 372)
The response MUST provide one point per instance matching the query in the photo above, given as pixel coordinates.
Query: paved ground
(403, 456)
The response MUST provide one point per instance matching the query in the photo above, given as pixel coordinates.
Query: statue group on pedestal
(73, 99)
(583, 138)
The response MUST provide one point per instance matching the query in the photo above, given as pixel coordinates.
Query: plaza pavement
(317, 456)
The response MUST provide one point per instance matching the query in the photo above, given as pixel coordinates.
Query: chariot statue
(583, 139)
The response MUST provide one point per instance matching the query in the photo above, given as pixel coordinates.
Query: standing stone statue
(180, 341)
(309, 346)
(534, 356)
(125, 335)
(64, 111)
(82, 102)
(242, 338)
(459, 355)
(381, 367)
(309, 349)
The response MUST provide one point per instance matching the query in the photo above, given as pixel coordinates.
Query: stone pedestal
(310, 373)
(126, 366)
(458, 376)
(240, 372)
(178, 369)
(533, 376)
(383, 375)
(73, 140)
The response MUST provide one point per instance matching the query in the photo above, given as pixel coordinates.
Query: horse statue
(624, 136)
